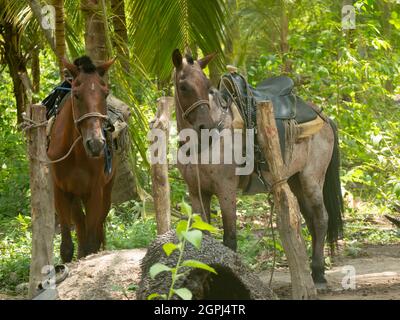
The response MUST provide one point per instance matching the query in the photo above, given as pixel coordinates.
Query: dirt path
(377, 276)
(109, 275)
(115, 275)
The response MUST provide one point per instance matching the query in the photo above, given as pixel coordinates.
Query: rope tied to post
(278, 183)
(30, 124)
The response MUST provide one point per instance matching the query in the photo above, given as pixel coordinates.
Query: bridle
(192, 107)
(87, 115)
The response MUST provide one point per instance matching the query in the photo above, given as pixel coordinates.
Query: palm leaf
(159, 26)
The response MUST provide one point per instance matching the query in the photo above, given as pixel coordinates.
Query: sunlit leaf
(198, 265)
(194, 237)
(155, 269)
(184, 293)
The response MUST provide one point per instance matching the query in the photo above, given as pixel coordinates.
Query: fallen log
(233, 281)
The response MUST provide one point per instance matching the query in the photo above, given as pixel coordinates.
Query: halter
(192, 107)
(86, 115)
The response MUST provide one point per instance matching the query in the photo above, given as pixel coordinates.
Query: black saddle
(54, 100)
(287, 106)
(279, 90)
(278, 86)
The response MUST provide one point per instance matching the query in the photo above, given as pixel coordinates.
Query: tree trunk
(96, 47)
(287, 63)
(36, 10)
(42, 206)
(159, 171)
(287, 208)
(60, 33)
(120, 41)
(16, 65)
(214, 73)
(95, 31)
(35, 66)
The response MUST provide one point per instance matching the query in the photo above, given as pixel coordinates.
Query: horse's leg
(227, 202)
(197, 207)
(106, 208)
(62, 201)
(295, 186)
(79, 219)
(93, 219)
(312, 204)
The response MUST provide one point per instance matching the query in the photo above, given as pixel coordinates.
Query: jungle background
(354, 75)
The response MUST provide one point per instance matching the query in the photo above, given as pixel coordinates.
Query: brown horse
(81, 177)
(313, 173)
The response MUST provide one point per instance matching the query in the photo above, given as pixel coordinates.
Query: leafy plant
(187, 231)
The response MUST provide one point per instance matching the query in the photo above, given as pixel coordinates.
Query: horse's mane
(85, 64)
(189, 58)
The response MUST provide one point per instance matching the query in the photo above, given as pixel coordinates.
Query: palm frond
(158, 27)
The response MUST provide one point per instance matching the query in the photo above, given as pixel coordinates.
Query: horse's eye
(183, 87)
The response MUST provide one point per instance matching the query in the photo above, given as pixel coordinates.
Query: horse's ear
(177, 58)
(103, 68)
(73, 69)
(204, 61)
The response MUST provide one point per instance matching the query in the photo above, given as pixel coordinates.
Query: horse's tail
(333, 198)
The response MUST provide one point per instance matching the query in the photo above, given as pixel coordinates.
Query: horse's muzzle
(95, 147)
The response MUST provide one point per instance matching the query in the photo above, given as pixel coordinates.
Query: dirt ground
(109, 275)
(377, 276)
(115, 275)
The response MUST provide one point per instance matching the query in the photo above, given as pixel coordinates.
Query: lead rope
(33, 125)
(272, 206)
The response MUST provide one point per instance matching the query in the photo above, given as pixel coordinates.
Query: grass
(125, 230)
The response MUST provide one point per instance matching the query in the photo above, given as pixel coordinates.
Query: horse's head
(192, 90)
(89, 107)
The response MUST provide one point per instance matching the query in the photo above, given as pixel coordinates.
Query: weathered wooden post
(287, 208)
(159, 171)
(42, 203)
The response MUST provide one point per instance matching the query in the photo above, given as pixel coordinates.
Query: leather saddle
(287, 106)
(277, 89)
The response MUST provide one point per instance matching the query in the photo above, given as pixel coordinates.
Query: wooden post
(287, 208)
(42, 203)
(159, 172)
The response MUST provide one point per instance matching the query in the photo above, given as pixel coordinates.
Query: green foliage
(15, 251)
(161, 26)
(186, 232)
(124, 231)
(14, 176)
(352, 78)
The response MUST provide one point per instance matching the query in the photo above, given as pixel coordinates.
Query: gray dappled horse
(313, 172)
